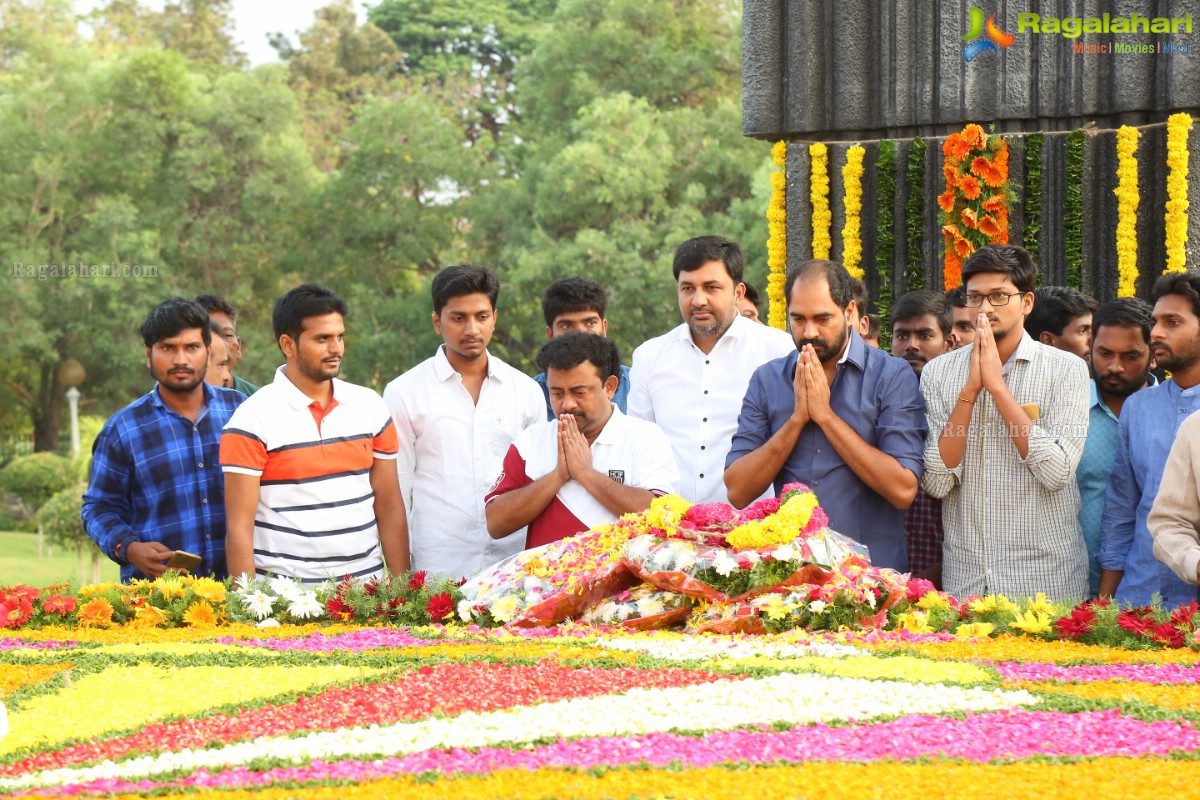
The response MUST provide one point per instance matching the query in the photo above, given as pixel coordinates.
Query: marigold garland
(819, 196)
(1127, 204)
(1178, 126)
(777, 240)
(852, 174)
(975, 203)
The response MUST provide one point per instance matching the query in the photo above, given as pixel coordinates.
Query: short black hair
(695, 253)
(872, 326)
(861, 297)
(568, 295)
(841, 284)
(572, 349)
(215, 304)
(957, 296)
(1009, 259)
(306, 300)
(1184, 284)
(922, 302)
(1054, 307)
(1124, 312)
(173, 316)
(752, 294)
(463, 279)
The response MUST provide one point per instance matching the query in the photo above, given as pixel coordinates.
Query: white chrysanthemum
(785, 552)
(305, 606)
(649, 606)
(464, 610)
(663, 558)
(685, 560)
(268, 623)
(817, 606)
(287, 588)
(259, 603)
(724, 564)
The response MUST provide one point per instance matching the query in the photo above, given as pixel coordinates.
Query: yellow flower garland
(852, 232)
(1127, 203)
(819, 193)
(777, 241)
(1178, 126)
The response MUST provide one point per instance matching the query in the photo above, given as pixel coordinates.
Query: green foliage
(1031, 237)
(61, 519)
(885, 241)
(539, 137)
(914, 217)
(1073, 209)
(37, 478)
(472, 46)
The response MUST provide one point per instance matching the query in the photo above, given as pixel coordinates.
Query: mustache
(818, 344)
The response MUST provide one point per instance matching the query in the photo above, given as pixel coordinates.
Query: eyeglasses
(995, 298)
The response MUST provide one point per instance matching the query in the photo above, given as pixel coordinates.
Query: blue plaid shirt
(156, 477)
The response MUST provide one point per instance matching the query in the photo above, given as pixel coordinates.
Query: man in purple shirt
(846, 419)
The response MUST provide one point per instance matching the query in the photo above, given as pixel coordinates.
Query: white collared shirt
(632, 452)
(451, 450)
(695, 398)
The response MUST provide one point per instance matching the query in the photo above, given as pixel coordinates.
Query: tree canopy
(542, 138)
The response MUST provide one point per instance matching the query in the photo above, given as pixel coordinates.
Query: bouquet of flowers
(642, 608)
(855, 594)
(548, 584)
(783, 541)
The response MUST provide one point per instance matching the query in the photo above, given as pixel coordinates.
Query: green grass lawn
(19, 563)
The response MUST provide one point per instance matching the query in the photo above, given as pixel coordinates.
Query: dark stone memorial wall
(848, 72)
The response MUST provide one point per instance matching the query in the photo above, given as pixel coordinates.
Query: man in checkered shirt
(1008, 418)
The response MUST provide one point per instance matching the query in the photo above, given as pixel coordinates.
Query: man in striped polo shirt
(310, 478)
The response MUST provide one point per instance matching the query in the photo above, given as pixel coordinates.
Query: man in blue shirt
(846, 419)
(1121, 361)
(1148, 422)
(155, 484)
(577, 304)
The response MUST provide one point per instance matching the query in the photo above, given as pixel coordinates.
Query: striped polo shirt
(316, 509)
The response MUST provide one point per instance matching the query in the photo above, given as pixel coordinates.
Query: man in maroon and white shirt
(590, 465)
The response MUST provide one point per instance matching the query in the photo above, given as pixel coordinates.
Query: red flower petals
(445, 689)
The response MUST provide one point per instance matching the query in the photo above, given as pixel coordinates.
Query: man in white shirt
(588, 466)
(456, 414)
(691, 381)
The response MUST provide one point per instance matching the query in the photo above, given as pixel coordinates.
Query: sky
(254, 19)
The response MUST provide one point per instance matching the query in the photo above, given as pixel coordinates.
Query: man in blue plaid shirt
(156, 484)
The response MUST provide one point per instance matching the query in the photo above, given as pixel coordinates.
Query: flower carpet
(335, 711)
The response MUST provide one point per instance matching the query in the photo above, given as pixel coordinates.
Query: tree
(631, 144)
(336, 66)
(471, 47)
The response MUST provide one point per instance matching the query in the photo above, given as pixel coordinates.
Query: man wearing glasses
(1008, 419)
